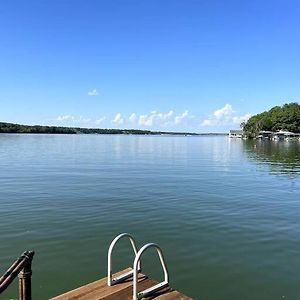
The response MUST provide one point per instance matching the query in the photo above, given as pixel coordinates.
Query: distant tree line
(286, 117)
(17, 128)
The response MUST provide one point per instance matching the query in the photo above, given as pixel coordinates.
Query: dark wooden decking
(122, 291)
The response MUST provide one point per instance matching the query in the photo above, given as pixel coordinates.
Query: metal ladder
(136, 268)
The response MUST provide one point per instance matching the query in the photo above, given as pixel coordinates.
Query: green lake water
(226, 212)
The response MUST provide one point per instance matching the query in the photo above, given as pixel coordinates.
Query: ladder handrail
(111, 281)
(138, 295)
(21, 268)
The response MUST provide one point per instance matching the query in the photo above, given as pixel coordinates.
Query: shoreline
(12, 128)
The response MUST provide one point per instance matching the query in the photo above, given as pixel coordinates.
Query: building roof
(236, 131)
(265, 132)
(285, 132)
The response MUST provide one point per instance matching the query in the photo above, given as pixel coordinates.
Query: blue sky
(200, 66)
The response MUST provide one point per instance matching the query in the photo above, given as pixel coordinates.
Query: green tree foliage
(286, 117)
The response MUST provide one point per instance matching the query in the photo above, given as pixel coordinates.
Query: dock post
(25, 278)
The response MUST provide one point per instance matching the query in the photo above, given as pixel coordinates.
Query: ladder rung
(152, 289)
(122, 277)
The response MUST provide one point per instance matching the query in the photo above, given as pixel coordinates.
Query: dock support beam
(21, 268)
(25, 279)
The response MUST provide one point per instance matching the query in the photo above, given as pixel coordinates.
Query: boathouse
(265, 134)
(236, 133)
(282, 135)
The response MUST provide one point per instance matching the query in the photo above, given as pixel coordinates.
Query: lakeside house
(236, 133)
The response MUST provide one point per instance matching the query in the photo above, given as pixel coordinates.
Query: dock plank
(99, 290)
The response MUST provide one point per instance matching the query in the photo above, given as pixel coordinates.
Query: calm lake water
(225, 212)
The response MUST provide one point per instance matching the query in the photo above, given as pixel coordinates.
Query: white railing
(111, 281)
(136, 268)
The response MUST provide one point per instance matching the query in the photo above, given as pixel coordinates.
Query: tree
(286, 117)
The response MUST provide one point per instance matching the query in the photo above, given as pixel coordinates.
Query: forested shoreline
(286, 117)
(39, 129)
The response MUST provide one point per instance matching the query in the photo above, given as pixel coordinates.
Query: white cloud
(82, 120)
(100, 121)
(73, 119)
(144, 120)
(223, 112)
(160, 119)
(207, 122)
(118, 120)
(225, 116)
(156, 118)
(93, 92)
(180, 118)
(65, 118)
(169, 114)
(240, 119)
(132, 118)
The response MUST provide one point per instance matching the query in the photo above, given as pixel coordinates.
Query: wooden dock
(122, 291)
